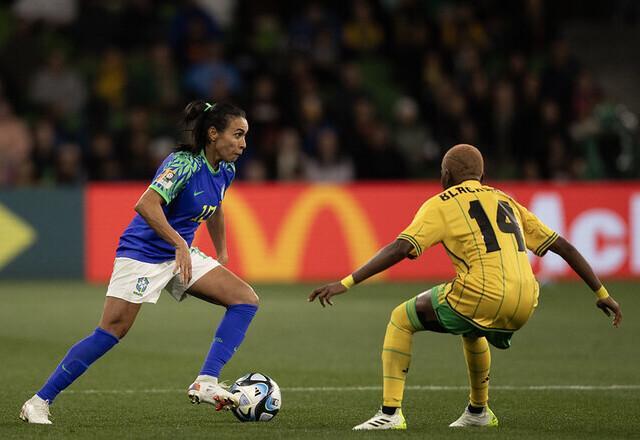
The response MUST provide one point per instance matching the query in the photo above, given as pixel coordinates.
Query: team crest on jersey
(166, 178)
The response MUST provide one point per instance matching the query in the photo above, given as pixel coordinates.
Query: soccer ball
(259, 397)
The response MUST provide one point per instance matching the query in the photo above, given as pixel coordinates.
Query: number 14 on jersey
(505, 219)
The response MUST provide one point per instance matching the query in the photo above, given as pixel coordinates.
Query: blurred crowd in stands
(335, 91)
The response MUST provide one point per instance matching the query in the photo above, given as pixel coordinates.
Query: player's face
(231, 142)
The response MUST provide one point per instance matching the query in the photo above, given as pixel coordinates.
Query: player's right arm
(580, 266)
(169, 181)
(540, 239)
(150, 209)
(386, 257)
(425, 230)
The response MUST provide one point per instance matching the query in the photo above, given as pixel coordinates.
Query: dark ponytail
(199, 116)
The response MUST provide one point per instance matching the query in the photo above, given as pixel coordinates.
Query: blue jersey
(192, 190)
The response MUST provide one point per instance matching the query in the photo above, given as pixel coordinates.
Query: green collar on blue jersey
(211, 168)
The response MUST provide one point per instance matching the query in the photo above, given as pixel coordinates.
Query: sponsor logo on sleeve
(166, 179)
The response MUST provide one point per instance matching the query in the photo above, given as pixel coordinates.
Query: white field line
(379, 388)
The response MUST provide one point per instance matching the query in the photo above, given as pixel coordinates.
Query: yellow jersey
(486, 234)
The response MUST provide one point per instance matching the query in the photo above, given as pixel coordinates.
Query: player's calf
(396, 351)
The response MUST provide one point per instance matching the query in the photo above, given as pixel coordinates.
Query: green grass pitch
(139, 389)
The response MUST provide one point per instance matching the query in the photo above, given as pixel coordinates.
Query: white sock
(206, 378)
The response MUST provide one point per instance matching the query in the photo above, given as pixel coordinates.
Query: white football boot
(36, 410)
(485, 418)
(213, 393)
(383, 421)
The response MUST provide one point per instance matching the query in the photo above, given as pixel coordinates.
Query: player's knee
(397, 313)
(246, 295)
(252, 297)
(399, 318)
(405, 317)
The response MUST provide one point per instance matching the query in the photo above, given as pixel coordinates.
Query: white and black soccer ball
(259, 397)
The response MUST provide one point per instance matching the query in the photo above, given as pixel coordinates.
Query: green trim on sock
(391, 350)
(413, 314)
(394, 378)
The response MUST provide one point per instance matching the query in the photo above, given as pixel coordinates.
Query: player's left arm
(217, 232)
(580, 265)
(540, 238)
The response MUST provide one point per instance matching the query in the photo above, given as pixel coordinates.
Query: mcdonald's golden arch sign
(299, 232)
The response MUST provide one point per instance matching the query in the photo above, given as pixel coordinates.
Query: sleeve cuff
(544, 247)
(164, 196)
(413, 242)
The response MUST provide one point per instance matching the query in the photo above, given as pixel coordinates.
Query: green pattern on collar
(214, 171)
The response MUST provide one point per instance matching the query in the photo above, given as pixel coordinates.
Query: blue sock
(228, 337)
(76, 362)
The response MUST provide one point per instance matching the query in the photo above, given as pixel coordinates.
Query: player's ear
(213, 134)
(445, 178)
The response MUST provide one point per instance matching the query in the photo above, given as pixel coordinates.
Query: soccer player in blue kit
(154, 253)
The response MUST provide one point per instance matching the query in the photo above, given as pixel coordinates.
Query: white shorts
(138, 282)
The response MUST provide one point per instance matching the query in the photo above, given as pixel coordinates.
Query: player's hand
(325, 293)
(183, 263)
(609, 305)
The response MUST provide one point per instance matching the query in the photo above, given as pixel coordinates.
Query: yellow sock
(478, 357)
(396, 351)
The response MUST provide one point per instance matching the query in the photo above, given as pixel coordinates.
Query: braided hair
(199, 116)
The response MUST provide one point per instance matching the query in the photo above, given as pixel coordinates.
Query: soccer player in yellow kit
(486, 234)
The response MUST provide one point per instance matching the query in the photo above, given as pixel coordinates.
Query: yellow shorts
(457, 324)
